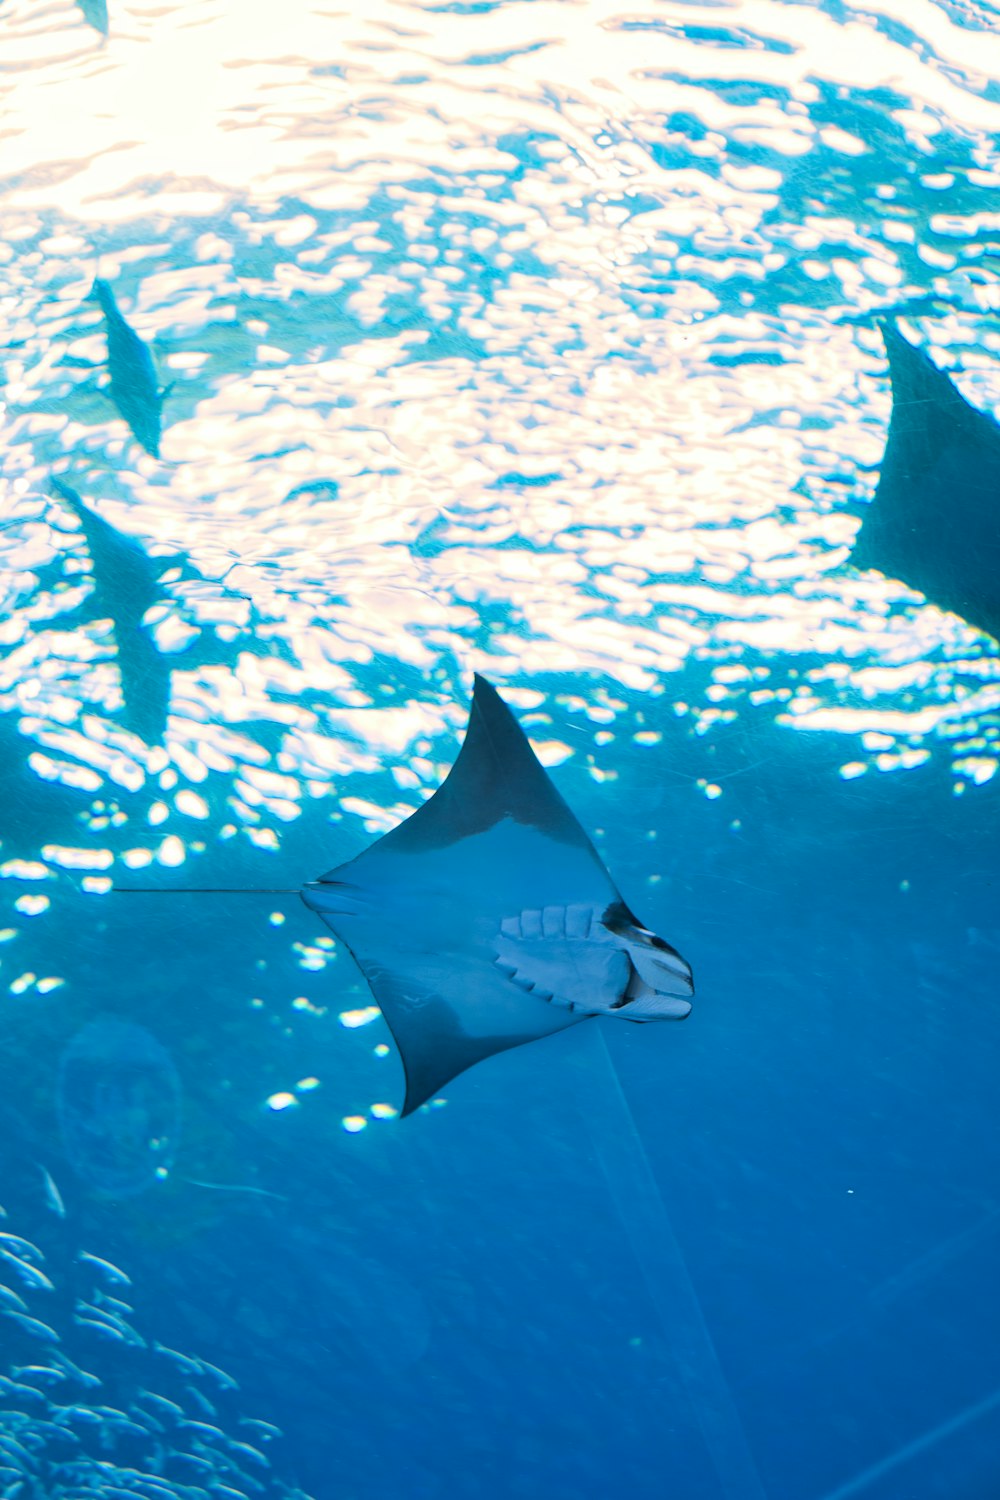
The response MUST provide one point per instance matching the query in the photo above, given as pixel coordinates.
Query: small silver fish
(201, 1401)
(112, 1304)
(10, 1298)
(162, 1403)
(25, 1394)
(29, 1274)
(107, 1330)
(225, 1381)
(233, 1445)
(17, 1246)
(34, 1326)
(85, 1415)
(53, 1197)
(85, 1378)
(182, 1361)
(204, 1430)
(111, 1272)
(267, 1430)
(44, 1374)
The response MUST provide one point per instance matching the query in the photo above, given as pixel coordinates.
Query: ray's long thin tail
(643, 1214)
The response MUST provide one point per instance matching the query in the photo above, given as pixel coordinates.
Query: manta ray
(935, 520)
(487, 919)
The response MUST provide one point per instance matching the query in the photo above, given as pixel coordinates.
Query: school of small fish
(168, 1430)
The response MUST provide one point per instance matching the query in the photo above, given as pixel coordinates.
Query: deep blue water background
(612, 457)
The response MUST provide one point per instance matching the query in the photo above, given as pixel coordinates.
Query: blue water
(535, 340)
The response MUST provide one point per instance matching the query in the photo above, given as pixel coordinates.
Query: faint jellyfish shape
(118, 1101)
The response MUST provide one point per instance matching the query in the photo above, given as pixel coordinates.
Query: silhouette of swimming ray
(935, 520)
(487, 919)
(135, 389)
(643, 1213)
(126, 584)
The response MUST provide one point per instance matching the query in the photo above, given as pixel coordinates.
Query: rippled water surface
(538, 339)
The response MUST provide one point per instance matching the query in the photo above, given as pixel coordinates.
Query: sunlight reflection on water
(494, 343)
